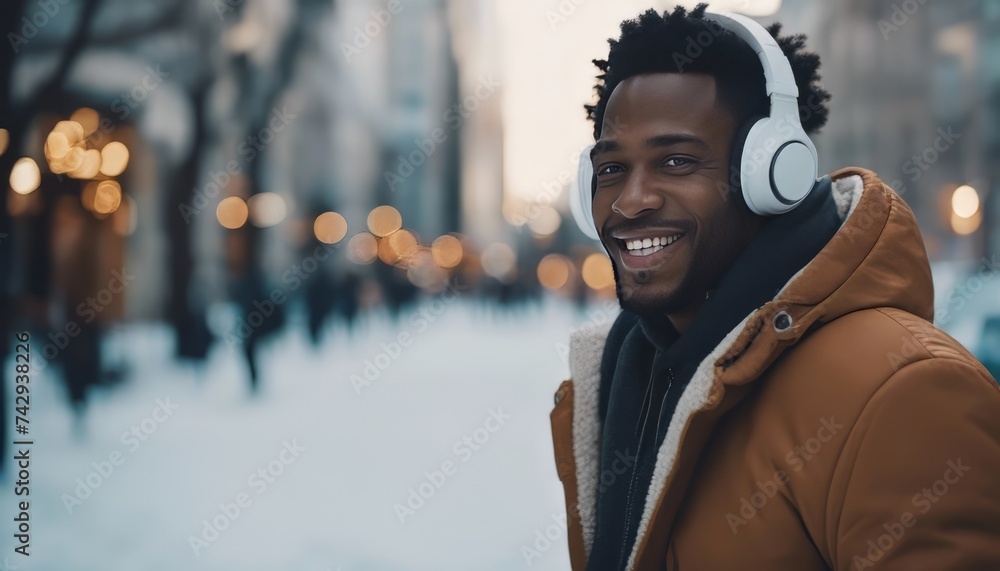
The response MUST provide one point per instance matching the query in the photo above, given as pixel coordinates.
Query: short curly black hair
(682, 41)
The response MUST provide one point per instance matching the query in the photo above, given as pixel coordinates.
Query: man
(773, 394)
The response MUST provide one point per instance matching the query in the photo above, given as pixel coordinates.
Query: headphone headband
(778, 75)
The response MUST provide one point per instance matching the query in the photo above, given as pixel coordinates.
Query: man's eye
(677, 162)
(609, 169)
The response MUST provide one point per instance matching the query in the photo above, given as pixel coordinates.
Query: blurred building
(915, 90)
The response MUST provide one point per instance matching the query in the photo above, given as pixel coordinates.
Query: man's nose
(637, 196)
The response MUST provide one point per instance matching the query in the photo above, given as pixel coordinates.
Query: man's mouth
(647, 246)
(649, 251)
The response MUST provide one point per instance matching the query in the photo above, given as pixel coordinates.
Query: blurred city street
(332, 507)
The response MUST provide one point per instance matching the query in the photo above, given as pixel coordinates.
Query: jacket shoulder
(866, 412)
(862, 350)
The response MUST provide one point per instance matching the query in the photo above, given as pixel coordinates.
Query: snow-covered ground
(311, 475)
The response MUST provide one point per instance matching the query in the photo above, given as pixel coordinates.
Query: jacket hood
(875, 259)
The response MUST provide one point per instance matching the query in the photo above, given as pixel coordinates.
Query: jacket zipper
(625, 548)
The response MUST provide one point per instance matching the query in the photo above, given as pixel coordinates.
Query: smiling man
(773, 394)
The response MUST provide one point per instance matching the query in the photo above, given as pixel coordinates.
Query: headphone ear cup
(582, 197)
(779, 167)
(736, 157)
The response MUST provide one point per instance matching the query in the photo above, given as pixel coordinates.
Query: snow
(333, 506)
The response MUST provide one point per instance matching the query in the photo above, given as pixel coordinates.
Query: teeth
(646, 251)
(640, 247)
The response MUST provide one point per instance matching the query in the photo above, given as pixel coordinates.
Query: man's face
(663, 205)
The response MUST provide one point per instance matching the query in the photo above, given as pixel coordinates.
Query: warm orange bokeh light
(362, 248)
(397, 247)
(90, 166)
(114, 158)
(447, 251)
(330, 227)
(597, 271)
(384, 220)
(107, 197)
(553, 271)
(964, 226)
(87, 118)
(232, 212)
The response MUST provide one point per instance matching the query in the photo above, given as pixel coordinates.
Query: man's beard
(637, 296)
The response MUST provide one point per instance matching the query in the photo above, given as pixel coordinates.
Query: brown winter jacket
(858, 437)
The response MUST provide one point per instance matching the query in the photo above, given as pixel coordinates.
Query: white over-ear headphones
(778, 164)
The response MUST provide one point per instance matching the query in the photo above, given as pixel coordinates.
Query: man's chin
(644, 300)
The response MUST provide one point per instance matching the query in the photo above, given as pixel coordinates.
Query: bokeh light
(56, 145)
(114, 158)
(72, 130)
(597, 273)
(499, 261)
(107, 197)
(447, 251)
(424, 272)
(86, 118)
(64, 164)
(965, 201)
(965, 226)
(89, 167)
(4, 141)
(397, 247)
(362, 248)
(384, 220)
(330, 227)
(267, 209)
(553, 271)
(545, 221)
(232, 212)
(25, 176)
